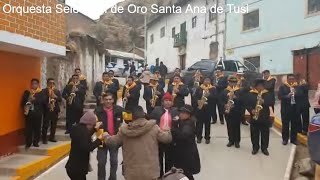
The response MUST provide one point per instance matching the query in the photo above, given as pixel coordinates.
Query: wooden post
(317, 175)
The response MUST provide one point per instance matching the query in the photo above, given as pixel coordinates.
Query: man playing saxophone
(179, 91)
(74, 94)
(259, 103)
(221, 83)
(104, 86)
(244, 86)
(153, 94)
(206, 96)
(130, 94)
(33, 103)
(194, 86)
(233, 109)
(51, 112)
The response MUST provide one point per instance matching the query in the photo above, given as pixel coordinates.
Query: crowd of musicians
(186, 124)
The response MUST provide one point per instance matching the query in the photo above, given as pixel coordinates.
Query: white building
(181, 39)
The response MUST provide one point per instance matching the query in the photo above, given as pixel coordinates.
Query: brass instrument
(292, 100)
(154, 97)
(204, 99)
(29, 106)
(52, 100)
(125, 99)
(230, 102)
(175, 88)
(72, 94)
(258, 107)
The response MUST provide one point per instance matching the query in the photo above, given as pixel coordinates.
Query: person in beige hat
(77, 166)
(153, 94)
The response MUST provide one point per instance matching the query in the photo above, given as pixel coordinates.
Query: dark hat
(259, 81)
(186, 108)
(232, 79)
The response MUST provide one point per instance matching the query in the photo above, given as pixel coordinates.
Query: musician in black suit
(221, 83)
(179, 91)
(131, 94)
(104, 86)
(116, 82)
(150, 91)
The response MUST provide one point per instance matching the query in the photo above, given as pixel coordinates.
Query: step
(23, 165)
(60, 136)
(46, 149)
(3, 177)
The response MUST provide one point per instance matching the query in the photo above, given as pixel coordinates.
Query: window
(253, 63)
(173, 32)
(212, 16)
(162, 32)
(183, 27)
(194, 22)
(230, 66)
(313, 6)
(151, 39)
(63, 1)
(250, 20)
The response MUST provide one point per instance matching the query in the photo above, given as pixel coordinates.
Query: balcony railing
(180, 39)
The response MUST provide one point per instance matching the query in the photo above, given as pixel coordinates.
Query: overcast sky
(92, 8)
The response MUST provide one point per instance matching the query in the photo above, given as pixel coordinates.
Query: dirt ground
(301, 153)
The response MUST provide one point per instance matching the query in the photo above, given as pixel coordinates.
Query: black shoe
(67, 132)
(265, 152)
(254, 151)
(245, 123)
(199, 141)
(294, 142)
(207, 141)
(36, 144)
(27, 146)
(222, 122)
(237, 145)
(284, 142)
(44, 142)
(213, 122)
(230, 144)
(52, 140)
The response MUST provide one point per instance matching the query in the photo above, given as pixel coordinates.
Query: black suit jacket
(147, 95)
(117, 117)
(46, 97)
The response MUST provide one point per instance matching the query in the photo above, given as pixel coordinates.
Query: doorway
(182, 62)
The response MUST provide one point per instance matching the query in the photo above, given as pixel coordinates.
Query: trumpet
(154, 97)
(52, 100)
(125, 99)
(258, 107)
(29, 106)
(230, 102)
(72, 94)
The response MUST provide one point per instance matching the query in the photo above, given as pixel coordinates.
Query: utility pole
(145, 38)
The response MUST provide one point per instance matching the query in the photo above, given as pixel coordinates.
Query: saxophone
(72, 94)
(52, 100)
(258, 107)
(230, 102)
(154, 96)
(292, 100)
(29, 106)
(125, 99)
(204, 99)
(175, 88)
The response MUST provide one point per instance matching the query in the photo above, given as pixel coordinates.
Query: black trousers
(213, 112)
(259, 130)
(76, 176)
(73, 116)
(289, 116)
(166, 155)
(50, 118)
(221, 110)
(33, 127)
(233, 126)
(303, 121)
(242, 115)
(203, 118)
(149, 108)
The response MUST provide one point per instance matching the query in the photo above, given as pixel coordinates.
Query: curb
(31, 169)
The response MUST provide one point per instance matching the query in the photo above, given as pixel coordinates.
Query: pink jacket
(315, 101)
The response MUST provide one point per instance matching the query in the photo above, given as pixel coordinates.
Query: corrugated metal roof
(124, 54)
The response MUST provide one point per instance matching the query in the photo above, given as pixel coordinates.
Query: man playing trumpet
(53, 99)
(153, 94)
(206, 97)
(259, 104)
(233, 110)
(179, 91)
(130, 94)
(74, 94)
(33, 103)
(104, 86)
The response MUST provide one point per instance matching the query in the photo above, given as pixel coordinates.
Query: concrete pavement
(217, 161)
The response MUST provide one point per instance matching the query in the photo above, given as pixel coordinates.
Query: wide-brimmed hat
(186, 108)
(232, 79)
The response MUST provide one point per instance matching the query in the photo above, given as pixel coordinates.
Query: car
(230, 67)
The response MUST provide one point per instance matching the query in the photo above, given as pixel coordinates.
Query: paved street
(217, 161)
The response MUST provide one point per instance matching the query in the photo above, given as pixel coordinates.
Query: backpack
(175, 174)
(314, 138)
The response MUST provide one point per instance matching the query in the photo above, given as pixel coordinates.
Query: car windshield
(202, 65)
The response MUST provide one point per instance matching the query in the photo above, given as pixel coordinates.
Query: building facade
(282, 36)
(24, 41)
(181, 39)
